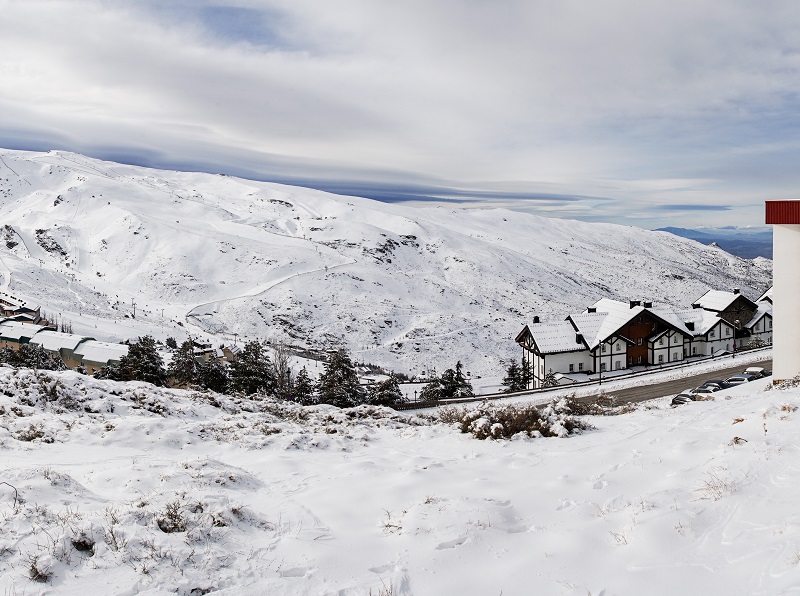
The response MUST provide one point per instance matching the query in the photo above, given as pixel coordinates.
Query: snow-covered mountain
(409, 288)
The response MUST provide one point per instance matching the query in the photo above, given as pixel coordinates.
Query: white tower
(785, 218)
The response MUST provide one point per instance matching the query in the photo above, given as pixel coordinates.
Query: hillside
(410, 288)
(126, 489)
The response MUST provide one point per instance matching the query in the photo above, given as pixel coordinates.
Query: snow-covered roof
(55, 340)
(764, 308)
(718, 300)
(589, 325)
(766, 296)
(703, 320)
(552, 338)
(15, 330)
(101, 351)
(618, 313)
(16, 302)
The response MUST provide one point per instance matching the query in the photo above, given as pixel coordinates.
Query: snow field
(279, 499)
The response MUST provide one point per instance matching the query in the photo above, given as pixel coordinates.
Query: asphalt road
(645, 392)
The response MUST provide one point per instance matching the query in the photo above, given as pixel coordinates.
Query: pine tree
(455, 384)
(526, 375)
(213, 375)
(143, 363)
(184, 370)
(513, 379)
(35, 356)
(550, 379)
(432, 391)
(303, 389)
(171, 343)
(338, 385)
(386, 392)
(251, 371)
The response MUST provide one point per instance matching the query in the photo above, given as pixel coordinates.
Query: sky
(682, 113)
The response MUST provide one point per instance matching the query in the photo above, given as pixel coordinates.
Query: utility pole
(134, 307)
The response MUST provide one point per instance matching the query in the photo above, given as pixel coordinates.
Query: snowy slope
(410, 288)
(287, 500)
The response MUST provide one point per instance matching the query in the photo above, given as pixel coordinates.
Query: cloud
(606, 109)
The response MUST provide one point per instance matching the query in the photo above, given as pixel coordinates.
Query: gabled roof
(718, 300)
(588, 324)
(552, 338)
(55, 340)
(621, 313)
(764, 309)
(766, 296)
(703, 320)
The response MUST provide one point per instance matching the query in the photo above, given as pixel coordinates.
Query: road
(645, 392)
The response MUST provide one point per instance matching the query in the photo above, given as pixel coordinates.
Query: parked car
(684, 397)
(739, 379)
(706, 389)
(757, 372)
(717, 382)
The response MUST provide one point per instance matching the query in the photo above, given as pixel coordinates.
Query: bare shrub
(172, 519)
(714, 487)
(31, 433)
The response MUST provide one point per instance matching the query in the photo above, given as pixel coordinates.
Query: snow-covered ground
(412, 289)
(700, 499)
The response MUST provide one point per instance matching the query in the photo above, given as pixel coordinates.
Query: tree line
(252, 372)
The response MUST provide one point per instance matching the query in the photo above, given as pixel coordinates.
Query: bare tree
(283, 371)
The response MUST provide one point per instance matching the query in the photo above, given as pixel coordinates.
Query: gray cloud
(606, 110)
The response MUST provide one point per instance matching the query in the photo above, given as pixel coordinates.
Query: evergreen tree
(526, 374)
(251, 371)
(386, 393)
(303, 389)
(143, 363)
(338, 385)
(550, 379)
(455, 384)
(213, 375)
(35, 356)
(184, 370)
(433, 391)
(171, 343)
(513, 379)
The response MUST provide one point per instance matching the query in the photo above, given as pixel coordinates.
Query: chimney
(736, 290)
(696, 305)
(635, 303)
(648, 305)
(579, 338)
(690, 326)
(591, 309)
(536, 319)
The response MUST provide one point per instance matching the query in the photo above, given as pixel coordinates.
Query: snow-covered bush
(491, 421)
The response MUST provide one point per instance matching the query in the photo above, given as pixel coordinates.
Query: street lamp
(736, 325)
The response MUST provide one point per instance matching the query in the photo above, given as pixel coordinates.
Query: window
(675, 356)
(603, 348)
(639, 341)
(617, 365)
(727, 330)
(660, 358)
(602, 367)
(630, 360)
(694, 350)
(661, 342)
(580, 365)
(571, 367)
(638, 360)
(770, 323)
(728, 347)
(711, 335)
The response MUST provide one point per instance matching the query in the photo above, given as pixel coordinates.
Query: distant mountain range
(747, 243)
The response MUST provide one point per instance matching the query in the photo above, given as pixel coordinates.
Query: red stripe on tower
(783, 212)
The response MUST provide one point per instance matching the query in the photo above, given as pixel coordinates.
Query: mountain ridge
(408, 288)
